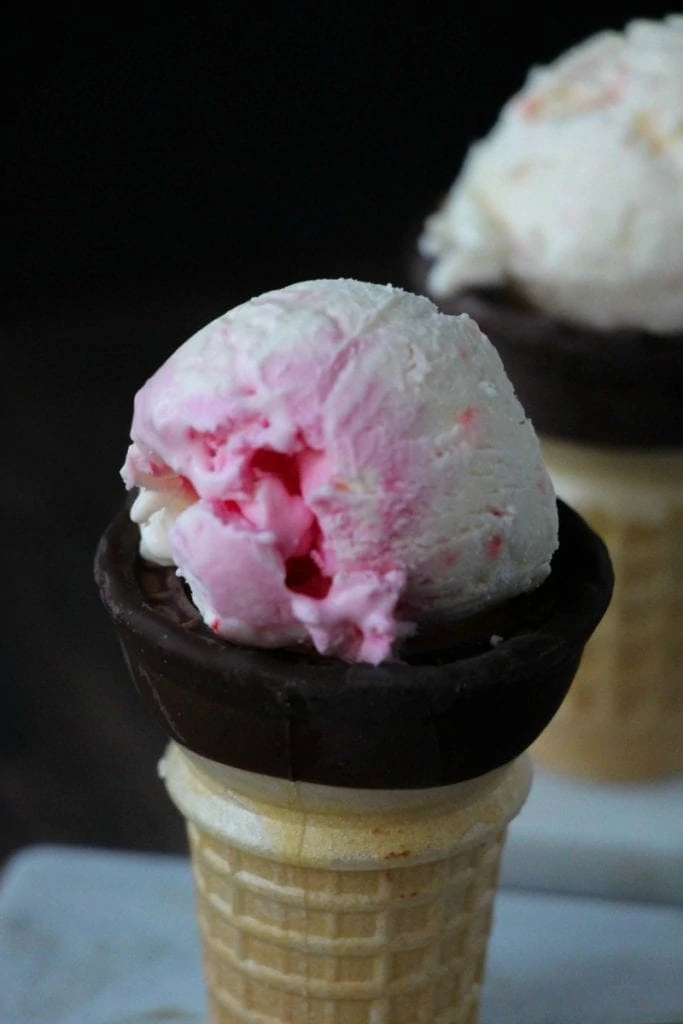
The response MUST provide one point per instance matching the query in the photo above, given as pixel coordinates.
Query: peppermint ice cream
(339, 463)
(575, 198)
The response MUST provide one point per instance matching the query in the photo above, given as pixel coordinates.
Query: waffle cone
(318, 905)
(622, 718)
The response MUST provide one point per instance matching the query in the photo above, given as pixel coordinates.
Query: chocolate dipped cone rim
(620, 388)
(431, 719)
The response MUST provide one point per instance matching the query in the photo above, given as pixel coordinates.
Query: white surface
(616, 841)
(98, 938)
(108, 938)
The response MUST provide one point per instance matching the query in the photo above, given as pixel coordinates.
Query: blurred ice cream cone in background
(562, 235)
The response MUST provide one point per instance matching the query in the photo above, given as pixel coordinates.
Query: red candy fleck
(267, 462)
(210, 441)
(188, 488)
(542, 484)
(469, 416)
(227, 511)
(494, 546)
(215, 625)
(304, 576)
(531, 107)
(305, 573)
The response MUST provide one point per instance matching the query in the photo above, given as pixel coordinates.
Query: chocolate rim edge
(306, 717)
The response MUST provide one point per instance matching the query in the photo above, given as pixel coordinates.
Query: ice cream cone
(341, 906)
(623, 718)
(346, 820)
(350, 692)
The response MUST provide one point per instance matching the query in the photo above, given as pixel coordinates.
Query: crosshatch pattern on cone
(400, 945)
(640, 639)
(623, 715)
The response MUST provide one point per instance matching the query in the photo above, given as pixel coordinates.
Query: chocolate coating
(428, 720)
(621, 387)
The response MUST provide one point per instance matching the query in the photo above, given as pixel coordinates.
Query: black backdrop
(205, 141)
(158, 168)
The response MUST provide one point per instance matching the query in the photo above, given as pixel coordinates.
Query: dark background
(158, 169)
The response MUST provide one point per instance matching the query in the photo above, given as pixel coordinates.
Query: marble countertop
(110, 938)
(612, 840)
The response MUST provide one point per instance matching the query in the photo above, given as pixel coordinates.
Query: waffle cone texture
(387, 925)
(622, 719)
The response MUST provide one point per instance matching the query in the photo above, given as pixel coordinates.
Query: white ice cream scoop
(339, 462)
(575, 198)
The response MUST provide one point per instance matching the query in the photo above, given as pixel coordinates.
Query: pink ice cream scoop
(339, 463)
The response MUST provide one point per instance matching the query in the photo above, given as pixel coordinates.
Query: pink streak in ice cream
(336, 462)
